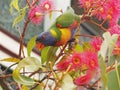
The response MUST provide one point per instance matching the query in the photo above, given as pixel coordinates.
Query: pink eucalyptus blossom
(117, 49)
(83, 80)
(35, 15)
(96, 43)
(63, 65)
(76, 60)
(92, 60)
(115, 30)
(103, 9)
(46, 5)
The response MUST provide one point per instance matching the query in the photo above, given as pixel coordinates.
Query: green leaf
(118, 70)
(31, 44)
(112, 60)
(24, 87)
(112, 45)
(10, 59)
(113, 81)
(21, 78)
(86, 46)
(50, 15)
(11, 7)
(103, 72)
(33, 64)
(19, 17)
(67, 83)
(108, 45)
(1, 88)
(104, 46)
(48, 54)
(14, 3)
(39, 87)
(78, 48)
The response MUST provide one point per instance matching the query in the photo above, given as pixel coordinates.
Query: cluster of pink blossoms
(85, 61)
(103, 9)
(116, 30)
(96, 43)
(37, 12)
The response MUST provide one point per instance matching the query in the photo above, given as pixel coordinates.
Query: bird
(60, 32)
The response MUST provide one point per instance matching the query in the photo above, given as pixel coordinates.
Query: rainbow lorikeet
(62, 30)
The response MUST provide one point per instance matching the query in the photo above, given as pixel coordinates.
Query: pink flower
(76, 60)
(103, 9)
(92, 60)
(115, 30)
(46, 5)
(83, 80)
(85, 3)
(113, 11)
(117, 49)
(96, 43)
(63, 65)
(80, 61)
(35, 15)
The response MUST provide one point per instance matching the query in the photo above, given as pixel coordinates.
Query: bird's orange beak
(39, 46)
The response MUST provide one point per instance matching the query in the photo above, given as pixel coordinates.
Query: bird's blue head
(45, 39)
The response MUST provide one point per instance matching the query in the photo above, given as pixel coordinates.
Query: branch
(34, 2)
(28, 2)
(61, 52)
(34, 72)
(4, 84)
(5, 76)
(9, 67)
(85, 35)
(99, 25)
(22, 38)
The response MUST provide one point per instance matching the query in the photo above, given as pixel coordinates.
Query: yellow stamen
(76, 61)
(47, 6)
(37, 14)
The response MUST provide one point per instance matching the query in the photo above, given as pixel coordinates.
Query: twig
(99, 25)
(61, 51)
(40, 81)
(6, 76)
(28, 2)
(34, 2)
(22, 38)
(34, 73)
(46, 81)
(108, 70)
(9, 67)
(85, 35)
(4, 84)
(90, 86)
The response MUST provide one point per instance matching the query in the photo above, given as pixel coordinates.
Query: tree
(65, 61)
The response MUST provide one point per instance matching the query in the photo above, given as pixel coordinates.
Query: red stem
(28, 2)
(99, 25)
(22, 38)
(33, 2)
(85, 35)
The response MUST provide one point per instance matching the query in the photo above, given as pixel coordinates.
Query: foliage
(66, 62)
